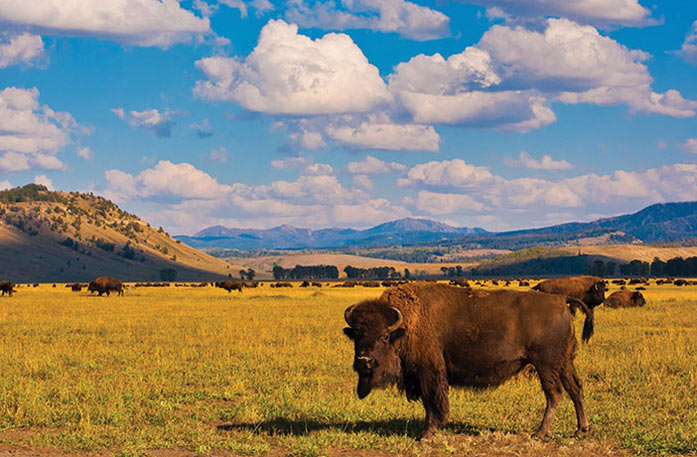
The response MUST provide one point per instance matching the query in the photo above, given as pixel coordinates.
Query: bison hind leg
(552, 388)
(572, 385)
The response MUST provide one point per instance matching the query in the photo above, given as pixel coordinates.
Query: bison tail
(575, 303)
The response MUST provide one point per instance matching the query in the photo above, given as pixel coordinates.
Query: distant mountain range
(664, 222)
(403, 232)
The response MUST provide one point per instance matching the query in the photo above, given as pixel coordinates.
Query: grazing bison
(426, 337)
(230, 285)
(589, 289)
(105, 284)
(6, 287)
(625, 299)
(461, 282)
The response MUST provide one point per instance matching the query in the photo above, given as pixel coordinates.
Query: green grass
(201, 370)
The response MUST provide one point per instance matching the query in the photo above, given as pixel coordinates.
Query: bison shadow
(386, 428)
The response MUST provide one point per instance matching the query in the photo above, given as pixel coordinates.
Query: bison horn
(398, 322)
(347, 314)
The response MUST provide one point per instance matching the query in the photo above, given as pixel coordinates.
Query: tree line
(305, 272)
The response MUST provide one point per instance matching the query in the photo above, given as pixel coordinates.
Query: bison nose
(364, 364)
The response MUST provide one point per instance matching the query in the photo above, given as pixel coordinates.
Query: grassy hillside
(628, 252)
(57, 237)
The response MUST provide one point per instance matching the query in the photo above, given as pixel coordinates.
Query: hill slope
(402, 231)
(61, 237)
(662, 222)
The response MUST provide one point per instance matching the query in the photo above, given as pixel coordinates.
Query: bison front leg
(434, 394)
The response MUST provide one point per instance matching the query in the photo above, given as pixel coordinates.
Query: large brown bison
(105, 284)
(230, 285)
(625, 299)
(589, 289)
(427, 337)
(6, 287)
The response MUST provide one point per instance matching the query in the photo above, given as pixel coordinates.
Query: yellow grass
(198, 370)
(266, 263)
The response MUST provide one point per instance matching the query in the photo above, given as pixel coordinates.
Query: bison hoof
(540, 435)
(582, 432)
(427, 436)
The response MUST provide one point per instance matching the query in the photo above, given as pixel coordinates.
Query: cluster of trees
(453, 272)
(676, 266)
(371, 273)
(306, 272)
(30, 193)
(247, 274)
(564, 265)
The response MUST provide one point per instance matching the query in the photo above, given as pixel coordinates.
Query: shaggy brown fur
(589, 289)
(6, 287)
(464, 337)
(105, 284)
(625, 299)
(230, 285)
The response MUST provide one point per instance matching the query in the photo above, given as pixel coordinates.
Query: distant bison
(625, 299)
(230, 285)
(426, 337)
(460, 282)
(6, 287)
(589, 289)
(105, 285)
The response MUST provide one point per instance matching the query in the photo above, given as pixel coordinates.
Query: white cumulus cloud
(688, 50)
(23, 48)
(160, 23)
(373, 166)
(30, 134)
(379, 132)
(603, 13)
(545, 163)
(400, 16)
(158, 123)
(289, 73)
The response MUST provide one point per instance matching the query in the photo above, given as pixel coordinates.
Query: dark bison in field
(106, 285)
(6, 287)
(230, 285)
(589, 289)
(427, 337)
(460, 282)
(625, 299)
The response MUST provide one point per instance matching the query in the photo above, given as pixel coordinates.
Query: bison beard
(426, 337)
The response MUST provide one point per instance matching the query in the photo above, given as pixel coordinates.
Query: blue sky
(501, 114)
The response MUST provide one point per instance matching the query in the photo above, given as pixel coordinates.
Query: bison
(230, 285)
(105, 284)
(625, 299)
(461, 282)
(589, 289)
(427, 337)
(6, 287)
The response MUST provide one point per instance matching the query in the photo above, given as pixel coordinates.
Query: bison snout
(364, 364)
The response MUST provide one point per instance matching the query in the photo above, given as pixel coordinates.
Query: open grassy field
(198, 371)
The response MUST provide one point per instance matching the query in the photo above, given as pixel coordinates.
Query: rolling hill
(63, 237)
(403, 231)
(663, 222)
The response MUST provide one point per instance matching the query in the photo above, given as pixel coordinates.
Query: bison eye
(385, 338)
(348, 331)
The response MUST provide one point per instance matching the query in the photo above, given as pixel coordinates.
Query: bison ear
(397, 334)
(351, 333)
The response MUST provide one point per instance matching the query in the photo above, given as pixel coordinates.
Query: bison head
(638, 299)
(596, 294)
(374, 327)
